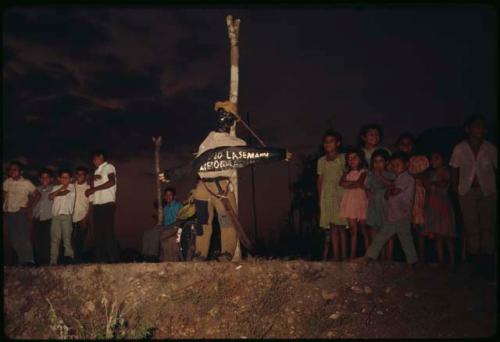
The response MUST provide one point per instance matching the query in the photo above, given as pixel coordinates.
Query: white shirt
(107, 195)
(218, 139)
(63, 205)
(17, 192)
(484, 166)
(81, 202)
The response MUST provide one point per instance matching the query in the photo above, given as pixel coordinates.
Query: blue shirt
(170, 212)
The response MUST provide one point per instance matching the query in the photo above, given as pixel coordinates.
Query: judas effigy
(216, 161)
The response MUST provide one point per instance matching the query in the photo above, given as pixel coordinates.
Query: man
(19, 196)
(474, 167)
(215, 166)
(151, 237)
(103, 187)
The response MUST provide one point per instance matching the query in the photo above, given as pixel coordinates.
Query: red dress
(354, 202)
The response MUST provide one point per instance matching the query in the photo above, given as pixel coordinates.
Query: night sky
(77, 79)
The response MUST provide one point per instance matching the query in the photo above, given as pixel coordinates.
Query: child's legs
(389, 248)
(326, 244)
(353, 224)
(487, 207)
(421, 245)
(403, 229)
(55, 239)
(335, 241)
(439, 248)
(450, 244)
(343, 240)
(365, 232)
(382, 236)
(470, 214)
(67, 230)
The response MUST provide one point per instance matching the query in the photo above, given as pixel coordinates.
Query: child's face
(330, 144)
(398, 166)
(353, 161)
(379, 164)
(97, 160)
(406, 145)
(81, 177)
(14, 171)
(372, 137)
(169, 196)
(477, 129)
(45, 179)
(65, 179)
(436, 160)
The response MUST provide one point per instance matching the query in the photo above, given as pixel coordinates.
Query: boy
(151, 237)
(81, 213)
(42, 216)
(474, 167)
(19, 195)
(103, 187)
(398, 212)
(62, 210)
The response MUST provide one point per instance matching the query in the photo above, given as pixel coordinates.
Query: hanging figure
(217, 158)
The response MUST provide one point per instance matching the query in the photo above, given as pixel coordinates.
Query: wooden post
(157, 143)
(233, 30)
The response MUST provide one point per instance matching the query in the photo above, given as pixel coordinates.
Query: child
(439, 213)
(19, 195)
(330, 169)
(42, 215)
(377, 182)
(354, 202)
(370, 137)
(418, 164)
(81, 213)
(397, 214)
(62, 211)
(474, 170)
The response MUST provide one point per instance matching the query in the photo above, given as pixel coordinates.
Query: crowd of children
(39, 218)
(381, 193)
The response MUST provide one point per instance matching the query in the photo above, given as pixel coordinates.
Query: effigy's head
(226, 115)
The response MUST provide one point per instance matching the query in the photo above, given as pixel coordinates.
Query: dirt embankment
(259, 299)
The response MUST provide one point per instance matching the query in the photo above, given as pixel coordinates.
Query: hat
(228, 106)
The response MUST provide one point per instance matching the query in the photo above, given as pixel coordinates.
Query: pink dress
(354, 203)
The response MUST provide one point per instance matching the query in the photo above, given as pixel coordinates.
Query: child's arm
(62, 191)
(36, 197)
(111, 181)
(360, 183)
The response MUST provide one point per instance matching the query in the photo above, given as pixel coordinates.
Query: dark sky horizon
(76, 79)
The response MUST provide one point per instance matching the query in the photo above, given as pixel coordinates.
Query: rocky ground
(252, 299)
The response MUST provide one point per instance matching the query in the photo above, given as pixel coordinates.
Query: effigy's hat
(228, 106)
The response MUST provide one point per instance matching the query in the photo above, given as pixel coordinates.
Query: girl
(330, 169)
(370, 137)
(354, 201)
(439, 214)
(378, 181)
(418, 164)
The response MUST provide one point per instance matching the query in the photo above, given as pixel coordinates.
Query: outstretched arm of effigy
(225, 158)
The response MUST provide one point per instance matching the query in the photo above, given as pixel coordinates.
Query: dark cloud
(118, 82)
(63, 29)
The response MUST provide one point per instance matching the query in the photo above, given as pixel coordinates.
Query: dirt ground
(252, 299)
